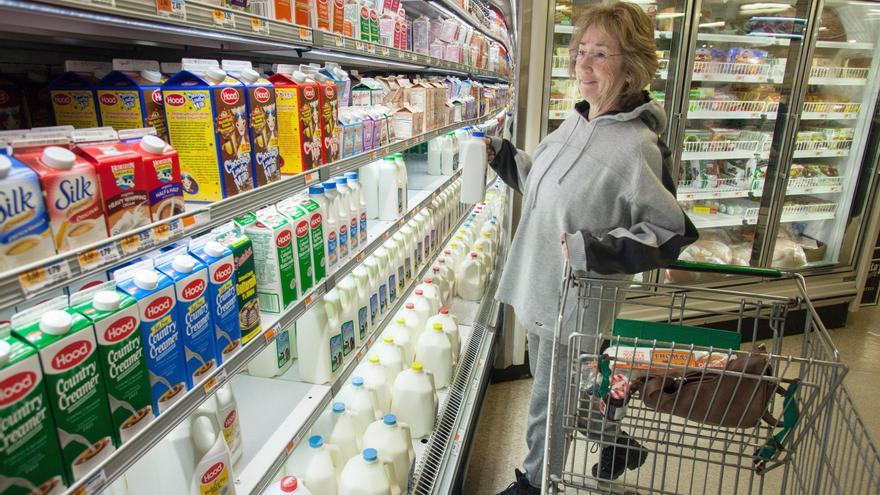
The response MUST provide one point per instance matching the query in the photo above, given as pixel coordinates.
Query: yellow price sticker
(94, 258)
(305, 35)
(32, 278)
(269, 334)
(339, 40)
(130, 244)
(161, 232)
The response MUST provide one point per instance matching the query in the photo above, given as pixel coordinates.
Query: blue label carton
(222, 295)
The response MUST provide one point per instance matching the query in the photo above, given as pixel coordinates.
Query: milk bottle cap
(338, 407)
(417, 366)
(288, 484)
(316, 441)
(153, 144)
(316, 189)
(444, 311)
(400, 321)
(249, 75)
(388, 340)
(389, 158)
(370, 455)
(341, 180)
(5, 166)
(184, 263)
(329, 185)
(58, 158)
(146, 279)
(474, 255)
(215, 75)
(389, 419)
(427, 280)
(153, 76)
(56, 322)
(373, 359)
(214, 249)
(5, 352)
(106, 300)
(410, 306)
(357, 381)
(478, 134)
(351, 175)
(479, 248)
(420, 292)
(438, 327)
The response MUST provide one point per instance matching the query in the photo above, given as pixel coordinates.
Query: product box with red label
(122, 181)
(131, 100)
(299, 122)
(162, 177)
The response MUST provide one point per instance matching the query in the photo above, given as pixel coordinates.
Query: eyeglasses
(596, 57)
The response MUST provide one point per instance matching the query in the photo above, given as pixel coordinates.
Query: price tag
(197, 219)
(93, 484)
(171, 8)
(371, 48)
(162, 232)
(101, 256)
(339, 41)
(289, 448)
(359, 257)
(359, 356)
(130, 244)
(385, 51)
(384, 235)
(305, 35)
(312, 177)
(259, 25)
(414, 56)
(401, 54)
(223, 18)
(44, 276)
(214, 381)
(370, 342)
(269, 334)
(372, 155)
(359, 45)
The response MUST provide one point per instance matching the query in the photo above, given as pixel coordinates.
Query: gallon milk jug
(450, 327)
(431, 293)
(422, 305)
(316, 194)
(395, 247)
(366, 290)
(490, 227)
(487, 245)
(474, 166)
(414, 400)
(434, 158)
(392, 191)
(339, 211)
(485, 263)
(410, 254)
(351, 207)
(391, 356)
(376, 380)
(348, 320)
(213, 471)
(448, 155)
(288, 485)
(317, 339)
(346, 434)
(454, 254)
(438, 278)
(412, 319)
(469, 278)
(400, 332)
(388, 264)
(275, 359)
(366, 474)
(369, 179)
(393, 440)
(403, 178)
(322, 471)
(359, 200)
(378, 285)
(335, 316)
(222, 410)
(447, 273)
(363, 404)
(434, 351)
(361, 294)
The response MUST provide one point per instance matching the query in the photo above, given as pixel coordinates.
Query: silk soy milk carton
(299, 220)
(272, 236)
(25, 236)
(114, 316)
(30, 446)
(66, 344)
(245, 278)
(159, 329)
(222, 297)
(206, 112)
(130, 96)
(194, 314)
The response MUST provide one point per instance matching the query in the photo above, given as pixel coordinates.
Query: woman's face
(599, 68)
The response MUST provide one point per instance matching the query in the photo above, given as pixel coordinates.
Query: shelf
(845, 45)
(563, 29)
(729, 109)
(790, 214)
(560, 73)
(822, 149)
(733, 188)
(753, 39)
(719, 150)
(736, 72)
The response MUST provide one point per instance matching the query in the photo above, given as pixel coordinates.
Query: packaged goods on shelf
(74, 100)
(130, 96)
(298, 121)
(163, 180)
(26, 231)
(245, 277)
(272, 238)
(222, 296)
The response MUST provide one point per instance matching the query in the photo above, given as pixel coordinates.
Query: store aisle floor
(500, 445)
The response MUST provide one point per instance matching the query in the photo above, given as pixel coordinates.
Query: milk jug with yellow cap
(450, 328)
(391, 356)
(402, 335)
(434, 351)
(414, 399)
(376, 381)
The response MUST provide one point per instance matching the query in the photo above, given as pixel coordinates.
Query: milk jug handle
(374, 401)
(391, 473)
(407, 437)
(335, 455)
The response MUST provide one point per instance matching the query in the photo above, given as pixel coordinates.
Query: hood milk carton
(130, 96)
(74, 101)
(206, 113)
(25, 236)
(69, 358)
(160, 330)
(114, 316)
(30, 446)
(245, 278)
(316, 228)
(163, 182)
(299, 131)
(194, 314)
(302, 246)
(272, 237)
(222, 297)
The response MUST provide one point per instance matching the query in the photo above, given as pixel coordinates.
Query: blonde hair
(634, 31)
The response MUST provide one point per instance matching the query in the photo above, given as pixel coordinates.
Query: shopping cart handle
(695, 266)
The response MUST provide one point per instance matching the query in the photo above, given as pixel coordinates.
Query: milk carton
(331, 133)
(114, 316)
(302, 246)
(13, 105)
(208, 125)
(245, 278)
(272, 237)
(30, 446)
(160, 330)
(25, 236)
(316, 236)
(122, 180)
(72, 196)
(68, 354)
(162, 171)
(74, 101)
(194, 314)
(299, 118)
(130, 97)
(222, 297)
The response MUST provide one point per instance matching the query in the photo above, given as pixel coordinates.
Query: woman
(600, 182)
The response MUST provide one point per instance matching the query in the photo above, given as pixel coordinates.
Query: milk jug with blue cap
(322, 471)
(393, 439)
(367, 474)
(363, 403)
(346, 434)
(414, 399)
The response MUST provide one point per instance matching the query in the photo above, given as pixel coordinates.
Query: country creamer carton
(208, 126)
(25, 235)
(114, 316)
(272, 237)
(302, 246)
(245, 278)
(65, 342)
(132, 99)
(194, 314)
(295, 130)
(122, 180)
(30, 446)
(162, 171)
(222, 297)
(316, 238)
(159, 329)
(74, 101)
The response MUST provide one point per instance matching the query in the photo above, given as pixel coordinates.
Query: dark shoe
(521, 486)
(615, 459)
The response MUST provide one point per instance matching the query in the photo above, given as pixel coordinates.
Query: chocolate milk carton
(194, 313)
(13, 105)
(262, 120)
(163, 182)
(30, 445)
(68, 350)
(245, 278)
(331, 133)
(159, 329)
(122, 180)
(272, 237)
(114, 316)
(222, 297)
(25, 235)
(130, 96)
(74, 100)
(208, 126)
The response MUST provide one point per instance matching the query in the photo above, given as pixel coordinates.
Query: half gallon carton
(194, 314)
(13, 105)
(66, 344)
(163, 182)
(331, 133)
(159, 329)
(114, 316)
(122, 180)
(74, 101)
(245, 278)
(299, 121)
(302, 245)
(222, 297)
(208, 126)
(316, 236)
(30, 445)
(131, 97)
(272, 236)
(25, 235)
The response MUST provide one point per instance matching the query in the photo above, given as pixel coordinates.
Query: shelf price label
(171, 8)
(223, 18)
(339, 41)
(130, 244)
(212, 383)
(359, 46)
(305, 35)
(312, 177)
(39, 278)
(259, 25)
(162, 232)
(385, 51)
(195, 220)
(92, 485)
(94, 258)
(401, 54)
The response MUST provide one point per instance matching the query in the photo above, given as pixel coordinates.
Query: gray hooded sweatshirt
(605, 185)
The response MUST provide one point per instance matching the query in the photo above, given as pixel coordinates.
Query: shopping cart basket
(705, 410)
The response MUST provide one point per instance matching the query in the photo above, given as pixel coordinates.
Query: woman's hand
(490, 151)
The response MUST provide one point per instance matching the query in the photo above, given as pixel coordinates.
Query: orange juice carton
(72, 195)
(262, 120)
(299, 120)
(130, 97)
(74, 101)
(25, 234)
(162, 176)
(206, 112)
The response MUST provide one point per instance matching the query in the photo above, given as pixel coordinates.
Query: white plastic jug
(432, 293)
(438, 278)
(369, 178)
(392, 190)
(288, 485)
(402, 177)
(325, 464)
(339, 211)
(367, 288)
(367, 474)
(491, 227)
(318, 339)
(345, 434)
(363, 404)
(394, 440)
(376, 380)
(213, 463)
(360, 201)
(413, 319)
(386, 277)
(414, 400)
(378, 286)
(330, 226)
(485, 263)
(402, 335)
(474, 165)
(465, 236)
(275, 359)
(391, 356)
(434, 156)
(351, 207)
(454, 254)
(448, 155)
(395, 247)
(335, 318)
(469, 278)
(422, 305)
(410, 259)
(447, 271)
(450, 327)
(361, 278)
(348, 320)
(434, 351)
(487, 245)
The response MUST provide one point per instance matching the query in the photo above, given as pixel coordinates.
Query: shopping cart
(706, 410)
